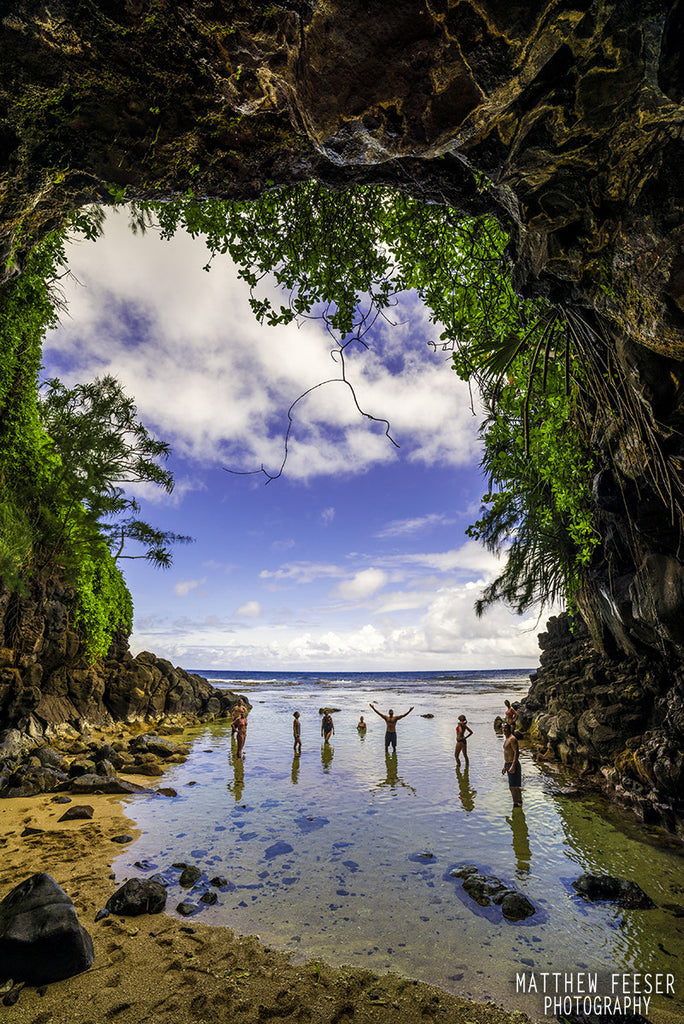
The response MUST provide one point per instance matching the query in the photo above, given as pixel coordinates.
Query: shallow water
(344, 853)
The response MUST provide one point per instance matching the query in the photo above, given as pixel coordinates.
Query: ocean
(346, 852)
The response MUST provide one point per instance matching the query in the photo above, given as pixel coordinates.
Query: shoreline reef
(159, 968)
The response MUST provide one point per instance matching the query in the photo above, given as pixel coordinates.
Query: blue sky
(356, 558)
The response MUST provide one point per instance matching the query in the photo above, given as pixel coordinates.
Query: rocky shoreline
(153, 966)
(618, 722)
(87, 762)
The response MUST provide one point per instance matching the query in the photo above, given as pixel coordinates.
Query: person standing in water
(463, 731)
(240, 723)
(236, 712)
(511, 768)
(362, 725)
(297, 733)
(511, 715)
(391, 725)
(327, 727)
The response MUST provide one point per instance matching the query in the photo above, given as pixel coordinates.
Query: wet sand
(169, 971)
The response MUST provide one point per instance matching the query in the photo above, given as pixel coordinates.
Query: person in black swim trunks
(391, 726)
(511, 768)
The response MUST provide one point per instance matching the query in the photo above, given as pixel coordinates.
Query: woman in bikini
(463, 731)
(511, 715)
(241, 732)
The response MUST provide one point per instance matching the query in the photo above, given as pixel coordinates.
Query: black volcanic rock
(137, 896)
(41, 939)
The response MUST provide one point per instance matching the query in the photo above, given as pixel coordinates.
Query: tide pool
(345, 853)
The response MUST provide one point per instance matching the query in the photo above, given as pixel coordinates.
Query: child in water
(362, 725)
(297, 733)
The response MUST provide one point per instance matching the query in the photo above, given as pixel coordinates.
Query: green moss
(105, 605)
(42, 529)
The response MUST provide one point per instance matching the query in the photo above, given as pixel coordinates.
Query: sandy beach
(162, 969)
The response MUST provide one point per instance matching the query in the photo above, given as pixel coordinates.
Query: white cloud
(327, 515)
(302, 572)
(362, 585)
(183, 588)
(217, 385)
(419, 524)
(249, 610)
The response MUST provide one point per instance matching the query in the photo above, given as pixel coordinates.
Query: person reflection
(393, 779)
(521, 840)
(294, 771)
(327, 754)
(465, 791)
(238, 784)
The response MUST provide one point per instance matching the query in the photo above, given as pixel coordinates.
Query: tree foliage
(66, 457)
(344, 257)
(102, 445)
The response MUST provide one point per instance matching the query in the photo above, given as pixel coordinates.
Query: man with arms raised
(391, 726)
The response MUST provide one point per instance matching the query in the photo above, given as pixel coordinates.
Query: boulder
(490, 891)
(190, 875)
(79, 812)
(41, 940)
(138, 896)
(101, 784)
(51, 758)
(516, 907)
(600, 888)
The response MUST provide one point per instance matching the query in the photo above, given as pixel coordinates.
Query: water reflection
(521, 840)
(237, 786)
(327, 754)
(355, 830)
(392, 779)
(466, 792)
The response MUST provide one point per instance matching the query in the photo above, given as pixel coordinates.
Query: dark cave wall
(573, 114)
(572, 110)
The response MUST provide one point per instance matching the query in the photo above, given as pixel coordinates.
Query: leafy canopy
(344, 257)
(101, 444)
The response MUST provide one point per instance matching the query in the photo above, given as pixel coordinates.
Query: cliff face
(570, 111)
(620, 721)
(45, 680)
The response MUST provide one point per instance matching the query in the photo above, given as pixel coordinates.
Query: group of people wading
(511, 750)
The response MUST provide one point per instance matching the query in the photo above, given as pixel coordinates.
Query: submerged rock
(490, 891)
(189, 876)
(187, 909)
(600, 888)
(41, 939)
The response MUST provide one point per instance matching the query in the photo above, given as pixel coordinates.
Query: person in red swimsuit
(241, 732)
(463, 731)
(511, 715)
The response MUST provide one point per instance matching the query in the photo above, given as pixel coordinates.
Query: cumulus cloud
(361, 585)
(218, 385)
